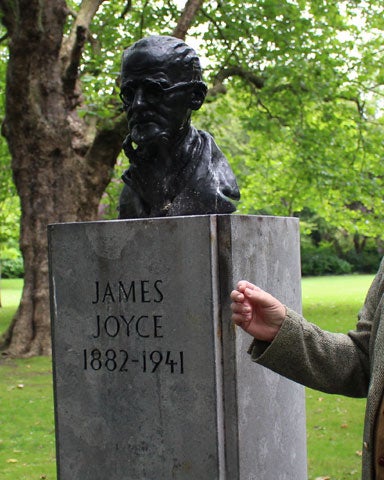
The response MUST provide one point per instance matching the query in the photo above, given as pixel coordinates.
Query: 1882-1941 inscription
(127, 325)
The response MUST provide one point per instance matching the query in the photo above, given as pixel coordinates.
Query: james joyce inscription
(129, 325)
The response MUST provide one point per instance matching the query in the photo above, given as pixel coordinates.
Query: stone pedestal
(152, 381)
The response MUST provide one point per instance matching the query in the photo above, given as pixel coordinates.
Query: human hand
(256, 311)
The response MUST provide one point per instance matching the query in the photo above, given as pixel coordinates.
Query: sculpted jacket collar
(196, 180)
(158, 182)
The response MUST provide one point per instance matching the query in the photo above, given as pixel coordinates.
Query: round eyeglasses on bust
(152, 91)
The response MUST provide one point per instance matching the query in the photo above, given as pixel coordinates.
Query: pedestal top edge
(235, 217)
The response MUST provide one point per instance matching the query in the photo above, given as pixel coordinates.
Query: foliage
(366, 261)
(326, 249)
(9, 202)
(322, 260)
(308, 124)
(285, 169)
(12, 267)
(108, 208)
(113, 29)
(302, 120)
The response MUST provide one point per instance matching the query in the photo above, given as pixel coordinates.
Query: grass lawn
(334, 424)
(27, 442)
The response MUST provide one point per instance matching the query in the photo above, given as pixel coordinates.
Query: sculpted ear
(198, 96)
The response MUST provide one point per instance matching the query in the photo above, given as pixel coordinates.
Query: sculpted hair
(186, 55)
(172, 50)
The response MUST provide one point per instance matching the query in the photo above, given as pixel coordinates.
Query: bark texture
(187, 17)
(60, 167)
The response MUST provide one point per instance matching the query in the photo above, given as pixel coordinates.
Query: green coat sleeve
(330, 362)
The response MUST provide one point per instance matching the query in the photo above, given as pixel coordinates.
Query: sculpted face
(159, 91)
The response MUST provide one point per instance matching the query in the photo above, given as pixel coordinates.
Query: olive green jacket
(348, 364)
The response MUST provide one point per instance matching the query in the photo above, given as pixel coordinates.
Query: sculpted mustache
(144, 118)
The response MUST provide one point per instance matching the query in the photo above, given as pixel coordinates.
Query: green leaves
(312, 135)
(308, 133)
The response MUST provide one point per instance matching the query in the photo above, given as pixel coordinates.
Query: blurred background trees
(295, 102)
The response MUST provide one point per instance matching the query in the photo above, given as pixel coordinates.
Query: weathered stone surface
(151, 380)
(269, 431)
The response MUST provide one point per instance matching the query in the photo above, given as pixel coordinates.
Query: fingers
(257, 296)
(240, 320)
(241, 312)
(249, 294)
(240, 316)
(240, 300)
(240, 308)
(243, 285)
(237, 296)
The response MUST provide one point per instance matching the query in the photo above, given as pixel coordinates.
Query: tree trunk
(60, 175)
(61, 165)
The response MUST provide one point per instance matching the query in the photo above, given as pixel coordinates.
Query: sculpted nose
(139, 99)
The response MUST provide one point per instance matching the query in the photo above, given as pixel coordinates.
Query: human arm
(330, 362)
(301, 351)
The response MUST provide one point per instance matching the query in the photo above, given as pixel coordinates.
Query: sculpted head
(161, 83)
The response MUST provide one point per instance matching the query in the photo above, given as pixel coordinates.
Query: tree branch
(73, 45)
(230, 48)
(360, 105)
(127, 8)
(101, 156)
(9, 14)
(108, 142)
(141, 27)
(71, 72)
(186, 18)
(4, 37)
(215, 24)
(234, 71)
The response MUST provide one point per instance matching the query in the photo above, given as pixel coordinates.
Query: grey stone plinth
(152, 381)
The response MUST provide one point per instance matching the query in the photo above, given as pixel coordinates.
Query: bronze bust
(175, 169)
